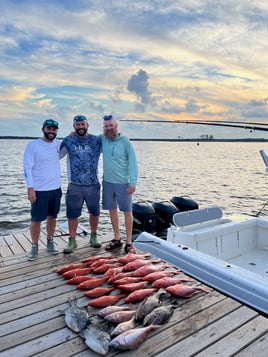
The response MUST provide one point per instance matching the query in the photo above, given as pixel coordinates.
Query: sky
(138, 60)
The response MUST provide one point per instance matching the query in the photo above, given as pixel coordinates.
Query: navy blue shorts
(76, 195)
(115, 194)
(47, 204)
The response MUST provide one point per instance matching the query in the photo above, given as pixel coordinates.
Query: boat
(229, 254)
(156, 217)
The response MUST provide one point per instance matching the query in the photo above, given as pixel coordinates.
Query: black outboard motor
(144, 218)
(184, 203)
(164, 213)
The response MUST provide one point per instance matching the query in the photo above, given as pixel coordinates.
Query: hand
(131, 189)
(31, 195)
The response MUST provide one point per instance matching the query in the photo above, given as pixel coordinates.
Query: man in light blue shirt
(120, 174)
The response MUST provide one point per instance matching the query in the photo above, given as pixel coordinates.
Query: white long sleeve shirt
(41, 164)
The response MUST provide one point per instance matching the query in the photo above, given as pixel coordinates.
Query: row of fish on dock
(148, 290)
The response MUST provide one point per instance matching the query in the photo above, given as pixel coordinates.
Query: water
(230, 175)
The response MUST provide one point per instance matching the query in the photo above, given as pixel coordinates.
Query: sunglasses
(80, 118)
(107, 117)
(51, 122)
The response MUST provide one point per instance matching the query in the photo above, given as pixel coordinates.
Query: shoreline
(253, 140)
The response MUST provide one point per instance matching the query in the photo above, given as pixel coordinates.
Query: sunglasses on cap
(50, 122)
(80, 118)
(107, 117)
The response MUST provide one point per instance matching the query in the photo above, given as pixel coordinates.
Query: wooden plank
(203, 337)
(4, 249)
(33, 295)
(240, 337)
(258, 348)
(39, 345)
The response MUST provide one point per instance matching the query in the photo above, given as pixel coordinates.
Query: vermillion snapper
(132, 338)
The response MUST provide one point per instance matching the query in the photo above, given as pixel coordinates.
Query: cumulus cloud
(138, 84)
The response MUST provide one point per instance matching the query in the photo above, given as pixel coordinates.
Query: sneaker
(51, 247)
(94, 241)
(34, 252)
(71, 246)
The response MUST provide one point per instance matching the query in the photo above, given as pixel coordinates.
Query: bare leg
(72, 224)
(35, 229)
(129, 225)
(51, 225)
(115, 222)
(93, 222)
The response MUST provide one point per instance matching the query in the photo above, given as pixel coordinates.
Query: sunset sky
(142, 59)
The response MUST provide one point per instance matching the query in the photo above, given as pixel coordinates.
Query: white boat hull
(231, 256)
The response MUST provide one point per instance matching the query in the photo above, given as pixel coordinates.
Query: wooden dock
(32, 295)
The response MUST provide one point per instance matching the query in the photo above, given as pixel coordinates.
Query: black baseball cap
(50, 122)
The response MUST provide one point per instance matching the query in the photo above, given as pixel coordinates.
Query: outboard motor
(184, 203)
(144, 218)
(164, 213)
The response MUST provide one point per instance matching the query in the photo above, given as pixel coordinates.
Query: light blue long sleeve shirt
(119, 161)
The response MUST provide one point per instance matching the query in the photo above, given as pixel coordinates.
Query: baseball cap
(79, 117)
(50, 122)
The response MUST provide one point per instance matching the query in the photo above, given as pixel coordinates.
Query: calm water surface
(230, 175)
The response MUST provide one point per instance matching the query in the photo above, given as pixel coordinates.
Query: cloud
(181, 60)
(138, 84)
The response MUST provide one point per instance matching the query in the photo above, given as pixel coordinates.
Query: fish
(160, 274)
(113, 271)
(181, 290)
(139, 295)
(149, 268)
(169, 281)
(127, 280)
(76, 318)
(159, 315)
(131, 339)
(123, 326)
(132, 286)
(132, 256)
(98, 291)
(101, 261)
(103, 268)
(135, 264)
(75, 272)
(120, 316)
(110, 309)
(147, 305)
(107, 300)
(79, 279)
(94, 258)
(96, 339)
(71, 267)
(91, 283)
(119, 276)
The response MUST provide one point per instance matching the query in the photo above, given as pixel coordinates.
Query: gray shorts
(76, 195)
(115, 194)
(47, 204)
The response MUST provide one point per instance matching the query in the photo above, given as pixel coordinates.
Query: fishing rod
(236, 124)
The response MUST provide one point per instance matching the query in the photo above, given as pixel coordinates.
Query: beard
(110, 133)
(81, 131)
(50, 136)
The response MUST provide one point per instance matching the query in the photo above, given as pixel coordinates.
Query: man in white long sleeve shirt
(41, 163)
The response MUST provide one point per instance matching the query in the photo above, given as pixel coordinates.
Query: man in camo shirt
(83, 151)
